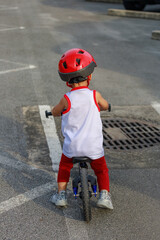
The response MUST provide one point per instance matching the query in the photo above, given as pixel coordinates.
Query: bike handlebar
(109, 108)
(50, 114)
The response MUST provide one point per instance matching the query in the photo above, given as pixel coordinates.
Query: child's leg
(101, 171)
(65, 167)
(62, 186)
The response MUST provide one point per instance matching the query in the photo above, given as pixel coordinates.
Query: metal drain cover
(124, 134)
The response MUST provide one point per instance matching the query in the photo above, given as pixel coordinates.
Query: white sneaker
(104, 200)
(59, 199)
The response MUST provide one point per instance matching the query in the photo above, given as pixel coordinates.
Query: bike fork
(91, 180)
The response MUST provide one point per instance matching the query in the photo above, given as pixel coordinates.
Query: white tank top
(82, 125)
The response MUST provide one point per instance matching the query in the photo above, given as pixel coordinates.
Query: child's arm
(103, 104)
(58, 109)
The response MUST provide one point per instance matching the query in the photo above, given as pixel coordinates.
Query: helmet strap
(68, 85)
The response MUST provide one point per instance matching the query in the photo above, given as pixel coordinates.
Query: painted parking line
(5, 7)
(51, 137)
(16, 63)
(156, 106)
(19, 165)
(27, 196)
(12, 28)
(18, 69)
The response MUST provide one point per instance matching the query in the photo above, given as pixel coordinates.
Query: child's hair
(77, 79)
(76, 65)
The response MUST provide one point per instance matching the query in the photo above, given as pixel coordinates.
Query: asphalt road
(33, 36)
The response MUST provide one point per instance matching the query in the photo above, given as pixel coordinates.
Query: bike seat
(81, 159)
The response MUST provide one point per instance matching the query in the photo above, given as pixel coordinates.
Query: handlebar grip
(48, 114)
(109, 108)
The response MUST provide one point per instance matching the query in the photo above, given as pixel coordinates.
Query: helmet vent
(65, 65)
(81, 52)
(78, 62)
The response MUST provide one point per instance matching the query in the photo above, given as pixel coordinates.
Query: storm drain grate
(124, 134)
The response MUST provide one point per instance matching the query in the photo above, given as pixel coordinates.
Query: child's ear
(90, 77)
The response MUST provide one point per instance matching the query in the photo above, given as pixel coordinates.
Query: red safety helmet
(76, 65)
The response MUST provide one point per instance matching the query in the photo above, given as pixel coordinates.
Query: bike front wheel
(85, 194)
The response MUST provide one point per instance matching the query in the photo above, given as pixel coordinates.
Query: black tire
(85, 195)
(135, 5)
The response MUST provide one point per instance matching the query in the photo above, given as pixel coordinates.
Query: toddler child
(81, 124)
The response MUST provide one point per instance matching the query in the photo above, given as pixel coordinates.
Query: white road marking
(16, 63)
(16, 164)
(51, 136)
(12, 28)
(18, 69)
(156, 106)
(5, 7)
(25, 197)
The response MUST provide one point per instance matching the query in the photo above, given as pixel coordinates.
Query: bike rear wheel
(85, 194)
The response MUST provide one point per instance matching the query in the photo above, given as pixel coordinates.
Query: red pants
(99, 166)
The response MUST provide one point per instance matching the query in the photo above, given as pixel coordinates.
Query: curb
(133, 14)
(106, 1)
(156, 35)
